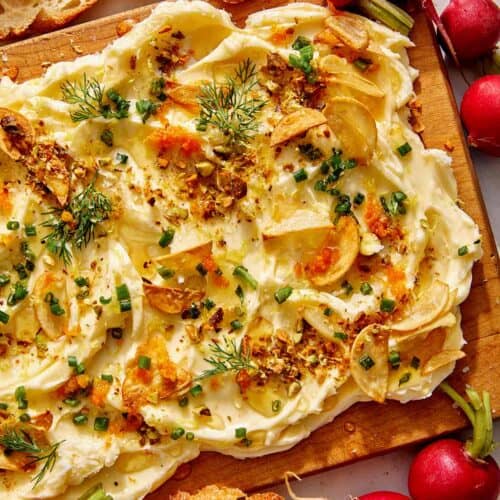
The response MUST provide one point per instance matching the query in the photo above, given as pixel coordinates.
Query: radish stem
(488, 443)
(459, 400)
(475, 447)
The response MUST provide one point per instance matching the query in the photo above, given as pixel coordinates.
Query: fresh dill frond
(89, 94)
(230, 106)
(77, 222)
(227, 357)
(22, 442)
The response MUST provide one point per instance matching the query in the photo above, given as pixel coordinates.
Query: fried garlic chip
(171, 300)
(185, 96)
(442, 359)
(51, 303)
(17, 136)
(342, 242)
(369, 365)
(186, 258)
(351, 29)
(354, 125)
(296, 123)
(431, 304)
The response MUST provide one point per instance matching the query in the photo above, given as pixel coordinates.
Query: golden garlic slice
(171, 300)
(442, 359)
(354, 125)
(17, 136)
(369, 361)
(351, 29)
(296, 123)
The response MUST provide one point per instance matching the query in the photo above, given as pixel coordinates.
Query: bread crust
(37, 20)
(214, 492)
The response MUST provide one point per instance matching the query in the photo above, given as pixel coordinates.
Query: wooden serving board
(366, 429)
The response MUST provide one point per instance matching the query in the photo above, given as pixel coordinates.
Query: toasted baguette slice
(214, 492)
(20, 18)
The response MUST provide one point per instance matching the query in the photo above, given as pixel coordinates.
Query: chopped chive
(236, 324)
(21, 271)
(240, 432)
(359, 199)
(415, 362)
(56, 309)
(104, 300)
(20, 292)
(283, 294)
(246, 442)
(183, 401)
(29, 230)
(71, 402)
(196, 390)
(404, 149)
(242, 273)
(276, 405)
(177, 433)
(4, 317)
(327, 311)
(123, 296)
(387, 305)
(72, 361)
(362, 64)
(343, 207)
(341, 336)
(144, 362)
(300, 175)
(4, 406)
(24, 417)
(80, 419)
(166, 273)
(189, 436)
(394, 359)
(81, 281)
(366, 362)
(121, 158)
(4, 280)
(20, 395)
(13, 225)
(107, 137)
(166, 237)
(201, 269)
(365, 288)
(80, 368)
(405, 378)
(101, 423)
(463, 251)
(208, 304)
(107, 377)
(240, 293)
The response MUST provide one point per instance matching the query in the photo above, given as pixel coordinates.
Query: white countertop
(388, 472)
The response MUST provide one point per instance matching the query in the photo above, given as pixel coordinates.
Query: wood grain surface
(366, 429)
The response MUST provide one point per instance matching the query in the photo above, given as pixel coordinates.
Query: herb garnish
(77, 222)
(227, 357)
(89, 96)
(22, 442)
(396, 204)
(303, 59)
(230, 107)
(146, 109)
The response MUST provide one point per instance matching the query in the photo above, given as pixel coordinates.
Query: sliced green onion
(283, 294)
(80, 368)
(300, 175)
(4, 280)
(24, 417)
(405, 378)
(236, 324)
(366, 362)
(144, 362)
(20, 395)
(80, 419)
(359, 199)
(29, 230)
(242, 273)
(341, 336)
(20, 292)
(362, 64)
(404, 149)
(166, 238)
(71, 402)
(177, 433)
(166, 273)
(107, 137)
(4, 406)
(56, 309)
(240, 293)
(240, 432)
(101, 423)
(394, 359)
(21, 271)
(463, 251)
(104, 300)
(387, 305)
(72, 361)
(81, 281)
(107, 377)
(328, 311)
(365, 288)
(208, 304)
(123, 296)
(189, 436)
(13, 225)
(183, 401)
(196, 390)
(121, 158)
(276, 405)
(4, 317)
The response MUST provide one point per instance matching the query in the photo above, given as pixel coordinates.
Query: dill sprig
(77, 222)
(228, 357)
(22, 442)
(89, 94)
(230, 107)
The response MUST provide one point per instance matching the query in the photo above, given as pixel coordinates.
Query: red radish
(333, 4)
(480, 113)
(448, 470)
(473, 26)
(383, 495)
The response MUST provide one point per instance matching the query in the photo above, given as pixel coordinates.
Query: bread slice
(214, 492)
(19, 18)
